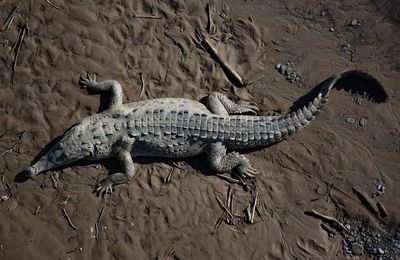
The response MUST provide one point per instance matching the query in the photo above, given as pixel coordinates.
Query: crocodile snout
(30, 172)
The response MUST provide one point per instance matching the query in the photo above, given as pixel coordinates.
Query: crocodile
(180, 128)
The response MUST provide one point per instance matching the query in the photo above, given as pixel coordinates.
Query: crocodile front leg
(128, 170)
(220, 161)
(220, 104)
(112, 86)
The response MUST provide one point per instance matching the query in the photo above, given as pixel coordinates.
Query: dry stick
(53, 5)
(222, 205)
(171, 252)
(176, 164)
(54, 180)
(37, 210)
(327, 219)
(76, 170)
(98, 223)
(68, 219)
(65, 201)
(168, 179)
(118, 217)
(366, 201)
(143, 16)
(253, 211)
(248, 213)
(9, 20)
(16, 144)
(143, 85)
(219, 221)
(19, 43)
(229, 198)
(232, 75)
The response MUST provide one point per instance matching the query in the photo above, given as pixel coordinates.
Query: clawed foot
(251, 109)
(104, 187)
(87, 82)
(246, 171)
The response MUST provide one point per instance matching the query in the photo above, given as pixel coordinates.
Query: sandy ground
(150, 219)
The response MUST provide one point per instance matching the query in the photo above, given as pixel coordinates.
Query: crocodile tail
(307, 107)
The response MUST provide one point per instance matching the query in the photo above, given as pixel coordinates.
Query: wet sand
(151, 219)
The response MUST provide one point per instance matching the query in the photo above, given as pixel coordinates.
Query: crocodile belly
(171, 149)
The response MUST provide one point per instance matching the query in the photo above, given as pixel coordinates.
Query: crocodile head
(69, 149)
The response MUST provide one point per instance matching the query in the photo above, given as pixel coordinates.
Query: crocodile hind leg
(112, 86)
(220, 161)
(128, 170)
(220, 104)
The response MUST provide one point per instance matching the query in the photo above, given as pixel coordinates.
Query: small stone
(381, 251)
(277, 66)
(348, 226)
(363, 122)
(346, 47)
(350, 120)
(323, 13)
(80, 249)
(357, 249)
(282, 69)
(289, 72)
(351, 239)
(331, 29)
(354, 22)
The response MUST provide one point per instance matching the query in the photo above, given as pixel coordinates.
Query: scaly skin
(177, 128)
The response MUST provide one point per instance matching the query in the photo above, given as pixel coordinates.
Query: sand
(151, 219)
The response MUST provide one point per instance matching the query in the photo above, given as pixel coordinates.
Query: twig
(176, 164)
(366, 201)
(16, 144)
(231, 74)
(37, 210)
(171, 252)
(9, 20)
(143, 16)
(19, 43)
(98, 223)
(253, 209)
(325, 218)
(229, 198)
(54, 179)
(68, 219)
(76, 170)
(231, 228)
(65, 201)
(168, 179)
(53, 5)
(248, 213)
(143, 85)
(221, 204)
(246, 83)
(118, 217)
(219, 221)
